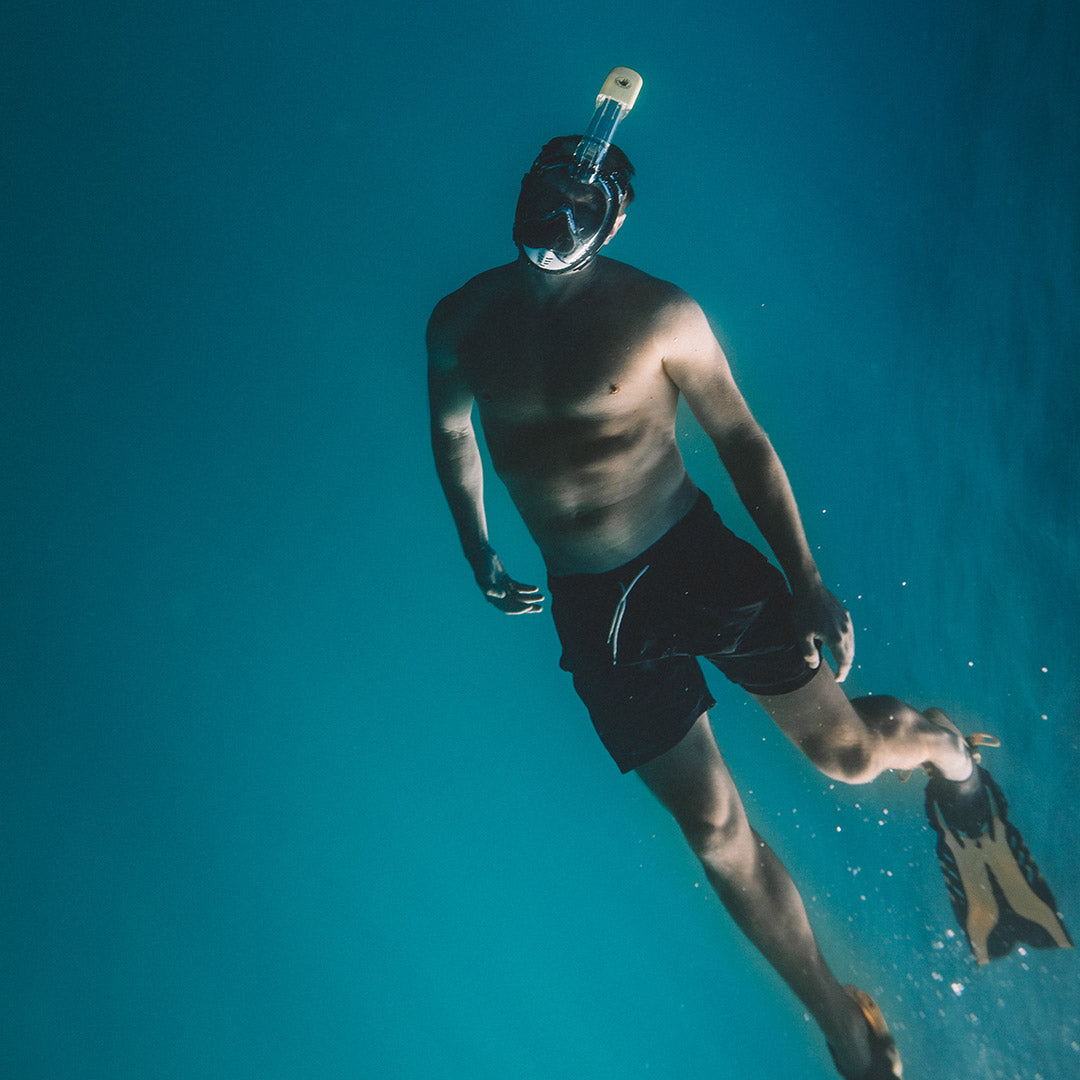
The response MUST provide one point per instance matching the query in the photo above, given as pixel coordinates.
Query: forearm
(461, 473)
(763, 486)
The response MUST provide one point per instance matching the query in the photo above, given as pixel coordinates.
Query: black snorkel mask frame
(569, 203)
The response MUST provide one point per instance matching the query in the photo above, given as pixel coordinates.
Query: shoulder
(676, 323)
(456, 312)
(662, 300)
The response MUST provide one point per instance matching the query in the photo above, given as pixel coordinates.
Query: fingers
(531, 610)
(502, 591)
(843, 666)
(843, 650)
(514, 598)
(841, 645)
(530, 591)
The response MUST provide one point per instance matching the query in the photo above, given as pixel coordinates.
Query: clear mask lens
(552, 206)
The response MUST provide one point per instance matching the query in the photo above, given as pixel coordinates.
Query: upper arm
(449, 397)
(696, 363)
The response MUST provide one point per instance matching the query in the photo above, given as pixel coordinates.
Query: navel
(613, 388)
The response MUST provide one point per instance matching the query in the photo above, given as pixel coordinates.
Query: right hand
(820, 617)
(500, 590)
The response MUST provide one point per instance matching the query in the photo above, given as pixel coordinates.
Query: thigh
(640, 711)
(693, 782)
(818, 718)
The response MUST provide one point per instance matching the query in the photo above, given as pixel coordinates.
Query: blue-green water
(282, 798)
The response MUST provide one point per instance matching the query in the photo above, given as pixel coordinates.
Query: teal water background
(282, 798)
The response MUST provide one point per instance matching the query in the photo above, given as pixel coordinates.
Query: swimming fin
(997, 892)
(885, 1061)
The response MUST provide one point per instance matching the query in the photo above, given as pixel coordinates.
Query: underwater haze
(283, 798)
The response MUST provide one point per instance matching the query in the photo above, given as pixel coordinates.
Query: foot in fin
(885, 1061)
(999, 896)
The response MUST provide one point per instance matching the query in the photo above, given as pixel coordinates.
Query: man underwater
(575, 364)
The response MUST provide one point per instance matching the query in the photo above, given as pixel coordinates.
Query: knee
(858, 749)
(848, 760)
(719, 838)
(853, 763)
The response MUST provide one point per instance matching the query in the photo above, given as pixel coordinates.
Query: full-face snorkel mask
(569, 203)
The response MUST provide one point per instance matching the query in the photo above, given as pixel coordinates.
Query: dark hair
(615, 161)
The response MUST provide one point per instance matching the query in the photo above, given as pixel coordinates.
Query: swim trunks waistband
(688, 523)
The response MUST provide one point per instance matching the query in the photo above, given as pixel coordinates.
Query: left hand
(821, 619)
(500, 589)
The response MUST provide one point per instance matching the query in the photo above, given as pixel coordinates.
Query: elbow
(449, 440)
(454, 449)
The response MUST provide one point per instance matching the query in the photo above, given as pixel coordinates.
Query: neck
(546, 288)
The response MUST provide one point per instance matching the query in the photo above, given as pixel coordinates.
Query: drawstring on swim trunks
(617, 618)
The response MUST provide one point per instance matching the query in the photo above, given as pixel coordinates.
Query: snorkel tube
(568, 207)
(615, 100)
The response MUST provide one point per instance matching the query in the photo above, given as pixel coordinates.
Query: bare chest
(526, 367)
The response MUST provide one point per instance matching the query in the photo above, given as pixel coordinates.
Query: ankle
(962, 770)
(965, 805)
(954, 760)
(851, 1053)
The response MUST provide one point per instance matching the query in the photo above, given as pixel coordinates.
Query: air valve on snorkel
(570, 203)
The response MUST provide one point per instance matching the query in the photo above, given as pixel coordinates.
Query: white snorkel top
(569, 203)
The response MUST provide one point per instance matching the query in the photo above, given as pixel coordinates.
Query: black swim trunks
(631, 635)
